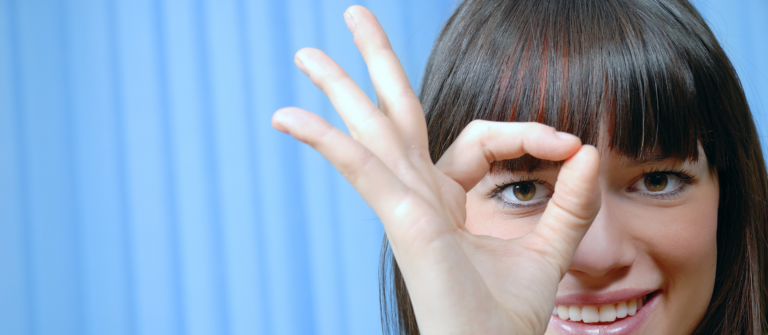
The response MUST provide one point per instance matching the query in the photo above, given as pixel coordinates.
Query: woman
(651, 219)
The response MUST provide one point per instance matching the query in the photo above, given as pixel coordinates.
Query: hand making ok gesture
(459, 283)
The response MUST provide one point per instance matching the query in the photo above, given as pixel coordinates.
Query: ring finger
(365, 122)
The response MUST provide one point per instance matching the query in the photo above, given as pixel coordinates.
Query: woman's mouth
(623, 317)
(604, 313)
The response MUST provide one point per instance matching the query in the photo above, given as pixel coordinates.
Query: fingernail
(350, 20)
(566, 136)
(300, 65)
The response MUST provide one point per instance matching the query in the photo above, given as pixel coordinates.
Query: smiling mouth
(603, 314)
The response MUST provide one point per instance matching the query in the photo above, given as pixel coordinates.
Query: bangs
(628, 70)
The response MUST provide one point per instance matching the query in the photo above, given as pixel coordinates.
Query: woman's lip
(626, 326)
(589, 299)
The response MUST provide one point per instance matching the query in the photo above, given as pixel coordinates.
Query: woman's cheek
(692, 236)
(681, 240)
(682, 243)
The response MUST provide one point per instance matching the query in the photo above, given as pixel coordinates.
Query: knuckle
(371, 49)
(476, 130)
(353, 169)
(403, 93)
(373, 124)
(581, 213)
(323, 135)
(329, 77)
(539, 126)
(579, 201)
(474, 137)
(400, 99)
(401, 166)
(535, 129)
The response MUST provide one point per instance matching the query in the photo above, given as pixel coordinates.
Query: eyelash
(500, 188)
(684, 175)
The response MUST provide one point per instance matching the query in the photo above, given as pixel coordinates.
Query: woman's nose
(605, 248)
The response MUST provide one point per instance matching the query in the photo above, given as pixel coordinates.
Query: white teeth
(621, 310)
(589, 314)
(574, 312)
(631, 307)
(605, 313)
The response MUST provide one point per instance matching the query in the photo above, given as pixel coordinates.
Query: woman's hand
(459, 283)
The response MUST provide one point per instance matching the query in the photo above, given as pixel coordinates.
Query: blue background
(143, 191)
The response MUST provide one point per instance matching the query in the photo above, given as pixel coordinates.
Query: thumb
(571, 210)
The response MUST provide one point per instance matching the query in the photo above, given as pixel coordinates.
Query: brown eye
(656, 182)
(524, 191)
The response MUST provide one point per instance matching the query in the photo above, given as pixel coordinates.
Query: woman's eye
(526, 191)
(658, 183)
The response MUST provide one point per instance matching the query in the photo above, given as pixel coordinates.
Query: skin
(458, 281)
(638, 239)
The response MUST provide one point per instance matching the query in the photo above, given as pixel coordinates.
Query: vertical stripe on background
(741, 32)
(105, 272)
(166, 162)
(358, 232)
(751, 48)
(758, 87)
(284, 216)
(119, 139)
(157, 283)
(306, 29)
(15, 290)
(122, 156)
(194, 166)
(49, 190)
(249, 311)
(425, 18)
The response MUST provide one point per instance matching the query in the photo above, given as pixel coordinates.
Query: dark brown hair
(650, 73)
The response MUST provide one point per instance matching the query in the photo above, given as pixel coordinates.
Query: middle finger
(395, 94)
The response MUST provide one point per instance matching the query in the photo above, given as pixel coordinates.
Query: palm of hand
(459, 283)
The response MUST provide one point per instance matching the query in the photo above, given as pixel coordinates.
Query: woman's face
(654, 241)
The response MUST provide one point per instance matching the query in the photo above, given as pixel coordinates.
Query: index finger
(481, 143)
